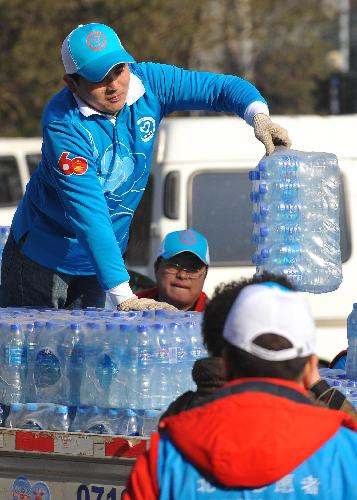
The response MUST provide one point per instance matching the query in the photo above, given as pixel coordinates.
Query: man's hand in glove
(269, 133)
(136, 304)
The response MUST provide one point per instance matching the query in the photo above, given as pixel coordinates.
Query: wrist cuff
(253, 109)
(120, 293)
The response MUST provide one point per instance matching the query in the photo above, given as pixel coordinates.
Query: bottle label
(13, 356)
(145, 356)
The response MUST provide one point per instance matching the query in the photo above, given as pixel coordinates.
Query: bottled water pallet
(54, 465)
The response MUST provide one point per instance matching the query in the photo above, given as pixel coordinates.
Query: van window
(32, 161)
(10, 182)
(219, 207)
(138, 249)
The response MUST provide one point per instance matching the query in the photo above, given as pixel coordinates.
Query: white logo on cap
(147, 128)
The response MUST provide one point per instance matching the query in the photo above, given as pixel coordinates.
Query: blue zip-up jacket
(258, 439)
(80, 201)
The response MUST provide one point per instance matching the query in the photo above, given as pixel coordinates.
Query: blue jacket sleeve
(83, 200)
(180, 90)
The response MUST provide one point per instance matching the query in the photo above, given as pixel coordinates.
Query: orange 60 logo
(68, 166)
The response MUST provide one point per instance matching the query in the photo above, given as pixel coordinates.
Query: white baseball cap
(271, 308)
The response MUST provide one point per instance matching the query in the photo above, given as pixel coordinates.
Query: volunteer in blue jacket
(71, 228)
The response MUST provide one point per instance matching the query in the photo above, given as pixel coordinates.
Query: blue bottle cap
(61, 409)
(161, 313)
(254, 197)
(125, 327)
(151, 413)
(32, 406)
(117, 314)
(39, 324)
(75, 326)
(263, 188)
(265, 253)
(51, 324)
(254, 175)
(130, 413)
(92, 325)
(15, 407)
(263, 210)
(263, 231)
(158, 326)
(113, 412)
(15, 327)
(83, 409)
(262, 166)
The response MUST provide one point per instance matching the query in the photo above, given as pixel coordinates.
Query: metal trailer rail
(51, 465)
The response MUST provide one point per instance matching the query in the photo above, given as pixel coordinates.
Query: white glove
(269, 133)
(136, 304)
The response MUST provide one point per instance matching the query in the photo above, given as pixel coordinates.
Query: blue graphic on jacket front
(115, 169)
(123, 176)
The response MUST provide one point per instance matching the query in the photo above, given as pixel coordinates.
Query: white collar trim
(135, 91)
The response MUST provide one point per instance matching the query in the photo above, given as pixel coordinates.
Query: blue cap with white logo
(187, 240)
(92, 50)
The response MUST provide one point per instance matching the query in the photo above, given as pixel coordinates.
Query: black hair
(222, 300)
(75, 76)
(244, 364)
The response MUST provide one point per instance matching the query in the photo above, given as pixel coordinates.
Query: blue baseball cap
(187, 240)
(92, 50)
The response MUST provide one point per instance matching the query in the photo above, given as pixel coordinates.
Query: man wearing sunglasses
(180, 269)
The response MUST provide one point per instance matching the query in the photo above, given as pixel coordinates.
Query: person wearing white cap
(71, 228)
(260, 435)
(180, 269)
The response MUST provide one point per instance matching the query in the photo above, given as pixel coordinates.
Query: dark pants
(26, 283)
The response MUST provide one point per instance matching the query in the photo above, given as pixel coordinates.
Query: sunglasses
(191, 272)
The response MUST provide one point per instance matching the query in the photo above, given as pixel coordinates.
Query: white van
(18, 159)
(200, 179)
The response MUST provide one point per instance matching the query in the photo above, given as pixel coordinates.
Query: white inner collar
(135, 91)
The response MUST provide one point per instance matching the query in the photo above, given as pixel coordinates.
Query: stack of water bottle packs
(296, 229)
(92, 370)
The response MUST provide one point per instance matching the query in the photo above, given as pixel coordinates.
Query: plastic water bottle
(94, 420)
(150, 422)
(351, 362)
(162, 385)
(49, 365)
(73, 357)
(143, 352)
(13, 363)
(99, 366)
(58, 418)
(296, 218)
(30, 418)
(118, 393)
(181, 379)
(128, 424)
(13, 418)
(32, 339)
